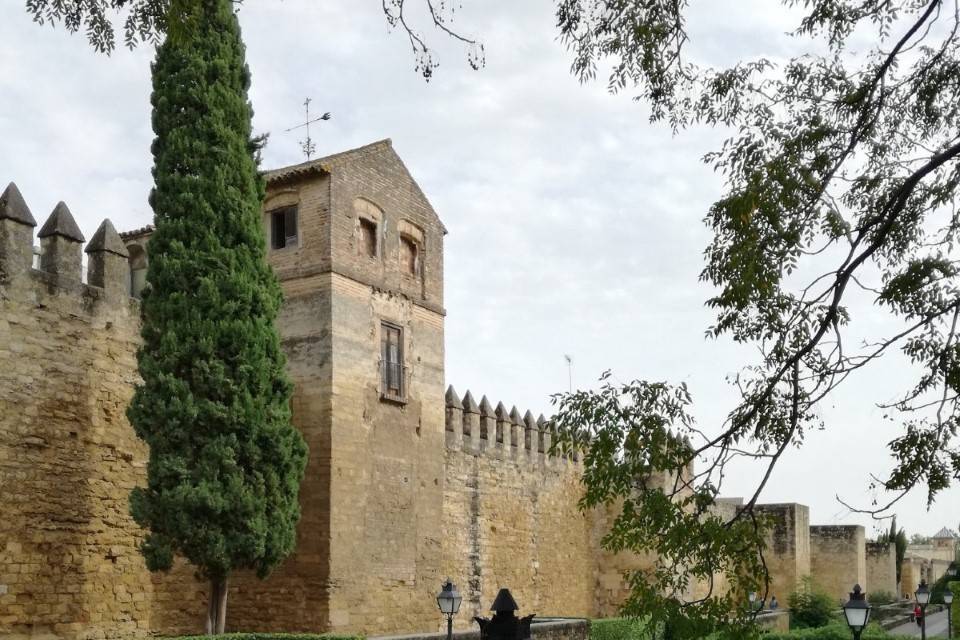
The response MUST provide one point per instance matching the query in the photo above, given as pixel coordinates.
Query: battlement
(60, 267)
(482, 430)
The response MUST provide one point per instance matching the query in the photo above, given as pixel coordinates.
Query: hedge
(833, 631)
(266, 636)
(617, 629)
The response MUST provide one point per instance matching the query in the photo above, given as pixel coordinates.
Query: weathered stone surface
(838, 558)
(14, 207)
(61, 223)
(881, 567)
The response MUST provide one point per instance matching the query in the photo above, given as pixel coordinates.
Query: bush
(810, 607)
(879, 598)
(617, 629)
(267, 636)
(938, 587)
(832, 631)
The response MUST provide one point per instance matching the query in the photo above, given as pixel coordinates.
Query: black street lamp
(857, 611)
(922, 595)
(449, 600)
(752, 597)
(947, 599)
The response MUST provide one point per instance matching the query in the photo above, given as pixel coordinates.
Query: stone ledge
(546, 629)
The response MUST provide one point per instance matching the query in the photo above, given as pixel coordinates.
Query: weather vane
(307, 145)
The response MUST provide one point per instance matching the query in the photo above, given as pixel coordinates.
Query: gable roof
(326, 164)
(323, 164)
(329, 164)
(944, 533)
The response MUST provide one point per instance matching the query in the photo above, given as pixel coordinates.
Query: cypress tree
(225, 462)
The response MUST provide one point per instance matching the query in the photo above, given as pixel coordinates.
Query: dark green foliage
(833, 631)
(811, 607)
(955, 607)
(938, 587)
(631, 438)
(225, 463)
(618, 629)
(899, 539)
(879, 598)
(267, 636)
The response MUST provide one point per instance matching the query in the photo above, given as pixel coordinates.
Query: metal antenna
(569, 360)
(307, 145)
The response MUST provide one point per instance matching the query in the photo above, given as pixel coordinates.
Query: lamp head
(857, 610)
(449, 598)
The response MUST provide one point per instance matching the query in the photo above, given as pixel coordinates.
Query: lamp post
(947, 599)
(752, 596)
(449, 600)
(922, 594)
(857, 611)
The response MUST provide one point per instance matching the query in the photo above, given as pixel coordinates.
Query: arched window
(368, 227)
(138, 269)
(411, 248)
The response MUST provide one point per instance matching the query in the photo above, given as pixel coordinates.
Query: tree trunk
(217, 606)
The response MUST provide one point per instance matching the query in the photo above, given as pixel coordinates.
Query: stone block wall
(788, 547)
(881, 561)
(838, 558)
(510, 515)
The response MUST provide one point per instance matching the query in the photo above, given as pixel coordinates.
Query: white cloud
(575, 226)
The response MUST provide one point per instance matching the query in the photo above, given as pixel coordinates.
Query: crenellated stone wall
(510, 514)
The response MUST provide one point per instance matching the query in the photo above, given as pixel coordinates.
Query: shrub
(938, 587)
(810, 607)
(832, 631)
(878, 598)
(267, 636)
(617, 629)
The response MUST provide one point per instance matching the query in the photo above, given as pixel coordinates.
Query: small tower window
(283, 227)
(409, 256)
(391, 360)
(138, 269)
(368, 238)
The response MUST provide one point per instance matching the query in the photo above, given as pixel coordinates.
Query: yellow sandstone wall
(510, 516)
(881, 562)
(788, 550)
(838, 559)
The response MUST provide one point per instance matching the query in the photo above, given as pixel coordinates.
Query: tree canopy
(841, 172)
(225, 464)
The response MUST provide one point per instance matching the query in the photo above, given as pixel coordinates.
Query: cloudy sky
(575, 226)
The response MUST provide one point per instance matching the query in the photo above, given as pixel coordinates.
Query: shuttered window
(391, 360)
(283, 227)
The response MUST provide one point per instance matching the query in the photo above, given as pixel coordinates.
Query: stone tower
(359, 250)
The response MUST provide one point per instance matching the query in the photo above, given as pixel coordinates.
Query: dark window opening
(391, 359)
(283, 227)
(409, 256)
(368, 238)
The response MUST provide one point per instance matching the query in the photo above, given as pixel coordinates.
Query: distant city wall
(838, 558)
(787, 554)
(881, 561)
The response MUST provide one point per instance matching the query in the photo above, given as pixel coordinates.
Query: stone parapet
(481, 430)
